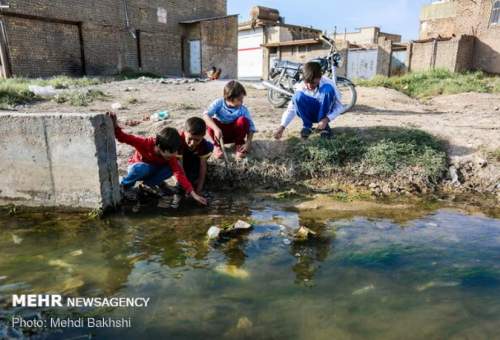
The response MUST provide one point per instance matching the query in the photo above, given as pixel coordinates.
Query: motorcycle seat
(288, 65)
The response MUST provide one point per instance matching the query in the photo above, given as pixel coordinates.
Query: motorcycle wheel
(276, 99)
(348, 92)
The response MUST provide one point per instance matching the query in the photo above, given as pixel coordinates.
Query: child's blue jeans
(150, 175)
(312, 110)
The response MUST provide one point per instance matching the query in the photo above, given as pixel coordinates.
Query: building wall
(465, 17)
(219, 39)
(109, 46)
(454, 55)
(365, 35)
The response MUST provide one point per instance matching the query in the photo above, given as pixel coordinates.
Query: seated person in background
(228, 120)
(195, 150)
(154, 161)
(316, 100)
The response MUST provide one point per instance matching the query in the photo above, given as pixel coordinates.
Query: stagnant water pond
(378, 274)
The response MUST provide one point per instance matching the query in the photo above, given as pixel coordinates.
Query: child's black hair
(234, 90)
(195, 126)
(312, 71)
(168, 140)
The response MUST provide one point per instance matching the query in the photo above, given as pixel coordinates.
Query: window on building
(495, 13)
(4, 4)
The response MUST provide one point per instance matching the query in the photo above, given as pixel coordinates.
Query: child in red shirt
(154, 160)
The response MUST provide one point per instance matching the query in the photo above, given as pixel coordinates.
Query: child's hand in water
(113, 117)
(200, 199)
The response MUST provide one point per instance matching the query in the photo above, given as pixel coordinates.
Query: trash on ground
(43, 91)
(159, 116)
(116, 106)
(232, 271)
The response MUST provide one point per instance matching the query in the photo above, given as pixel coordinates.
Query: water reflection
(439, 274)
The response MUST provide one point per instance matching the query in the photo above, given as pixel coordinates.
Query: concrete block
(58, 160)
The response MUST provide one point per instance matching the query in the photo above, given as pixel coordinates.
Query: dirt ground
(469, 122)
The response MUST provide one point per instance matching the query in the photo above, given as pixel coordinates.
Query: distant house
(367, 35)
(266, 27)
(41, 38)
(459, 35)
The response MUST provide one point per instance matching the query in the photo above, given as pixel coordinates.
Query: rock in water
(242, 225)
(232, 271)
(213, 233)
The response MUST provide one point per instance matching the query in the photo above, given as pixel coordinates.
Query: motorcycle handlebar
(327, 40)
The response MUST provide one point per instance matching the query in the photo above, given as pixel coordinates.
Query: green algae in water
(437, 275)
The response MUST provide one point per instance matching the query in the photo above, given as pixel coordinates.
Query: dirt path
(469, 122)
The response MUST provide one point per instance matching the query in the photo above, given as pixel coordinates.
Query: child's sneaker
(241, 152)
(217, 153)
(305, 133)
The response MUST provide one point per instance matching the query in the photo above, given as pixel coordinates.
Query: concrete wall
(58, 160)
(108, 44)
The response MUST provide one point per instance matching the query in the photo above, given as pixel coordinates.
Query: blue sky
(393, 16)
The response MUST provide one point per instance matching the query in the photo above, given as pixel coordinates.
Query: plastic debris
(242, 225)
(16, 239)
(159, 116)
(213, 232)
(303, 233)
(43, 91)
(232, 271)
(60, 264)
(363, 290)
(287, 241)
(76, 252)
(244, 323)
(436, 284)
(2, 278)
(116, 106)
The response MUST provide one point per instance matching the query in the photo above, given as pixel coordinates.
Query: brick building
(451, 24)
(366, 35)
(103, 37)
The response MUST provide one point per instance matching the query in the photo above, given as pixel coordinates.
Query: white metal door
(250, 54)
(195, 57)
(362, 64)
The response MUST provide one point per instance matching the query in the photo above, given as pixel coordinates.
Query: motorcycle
(284, 75)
